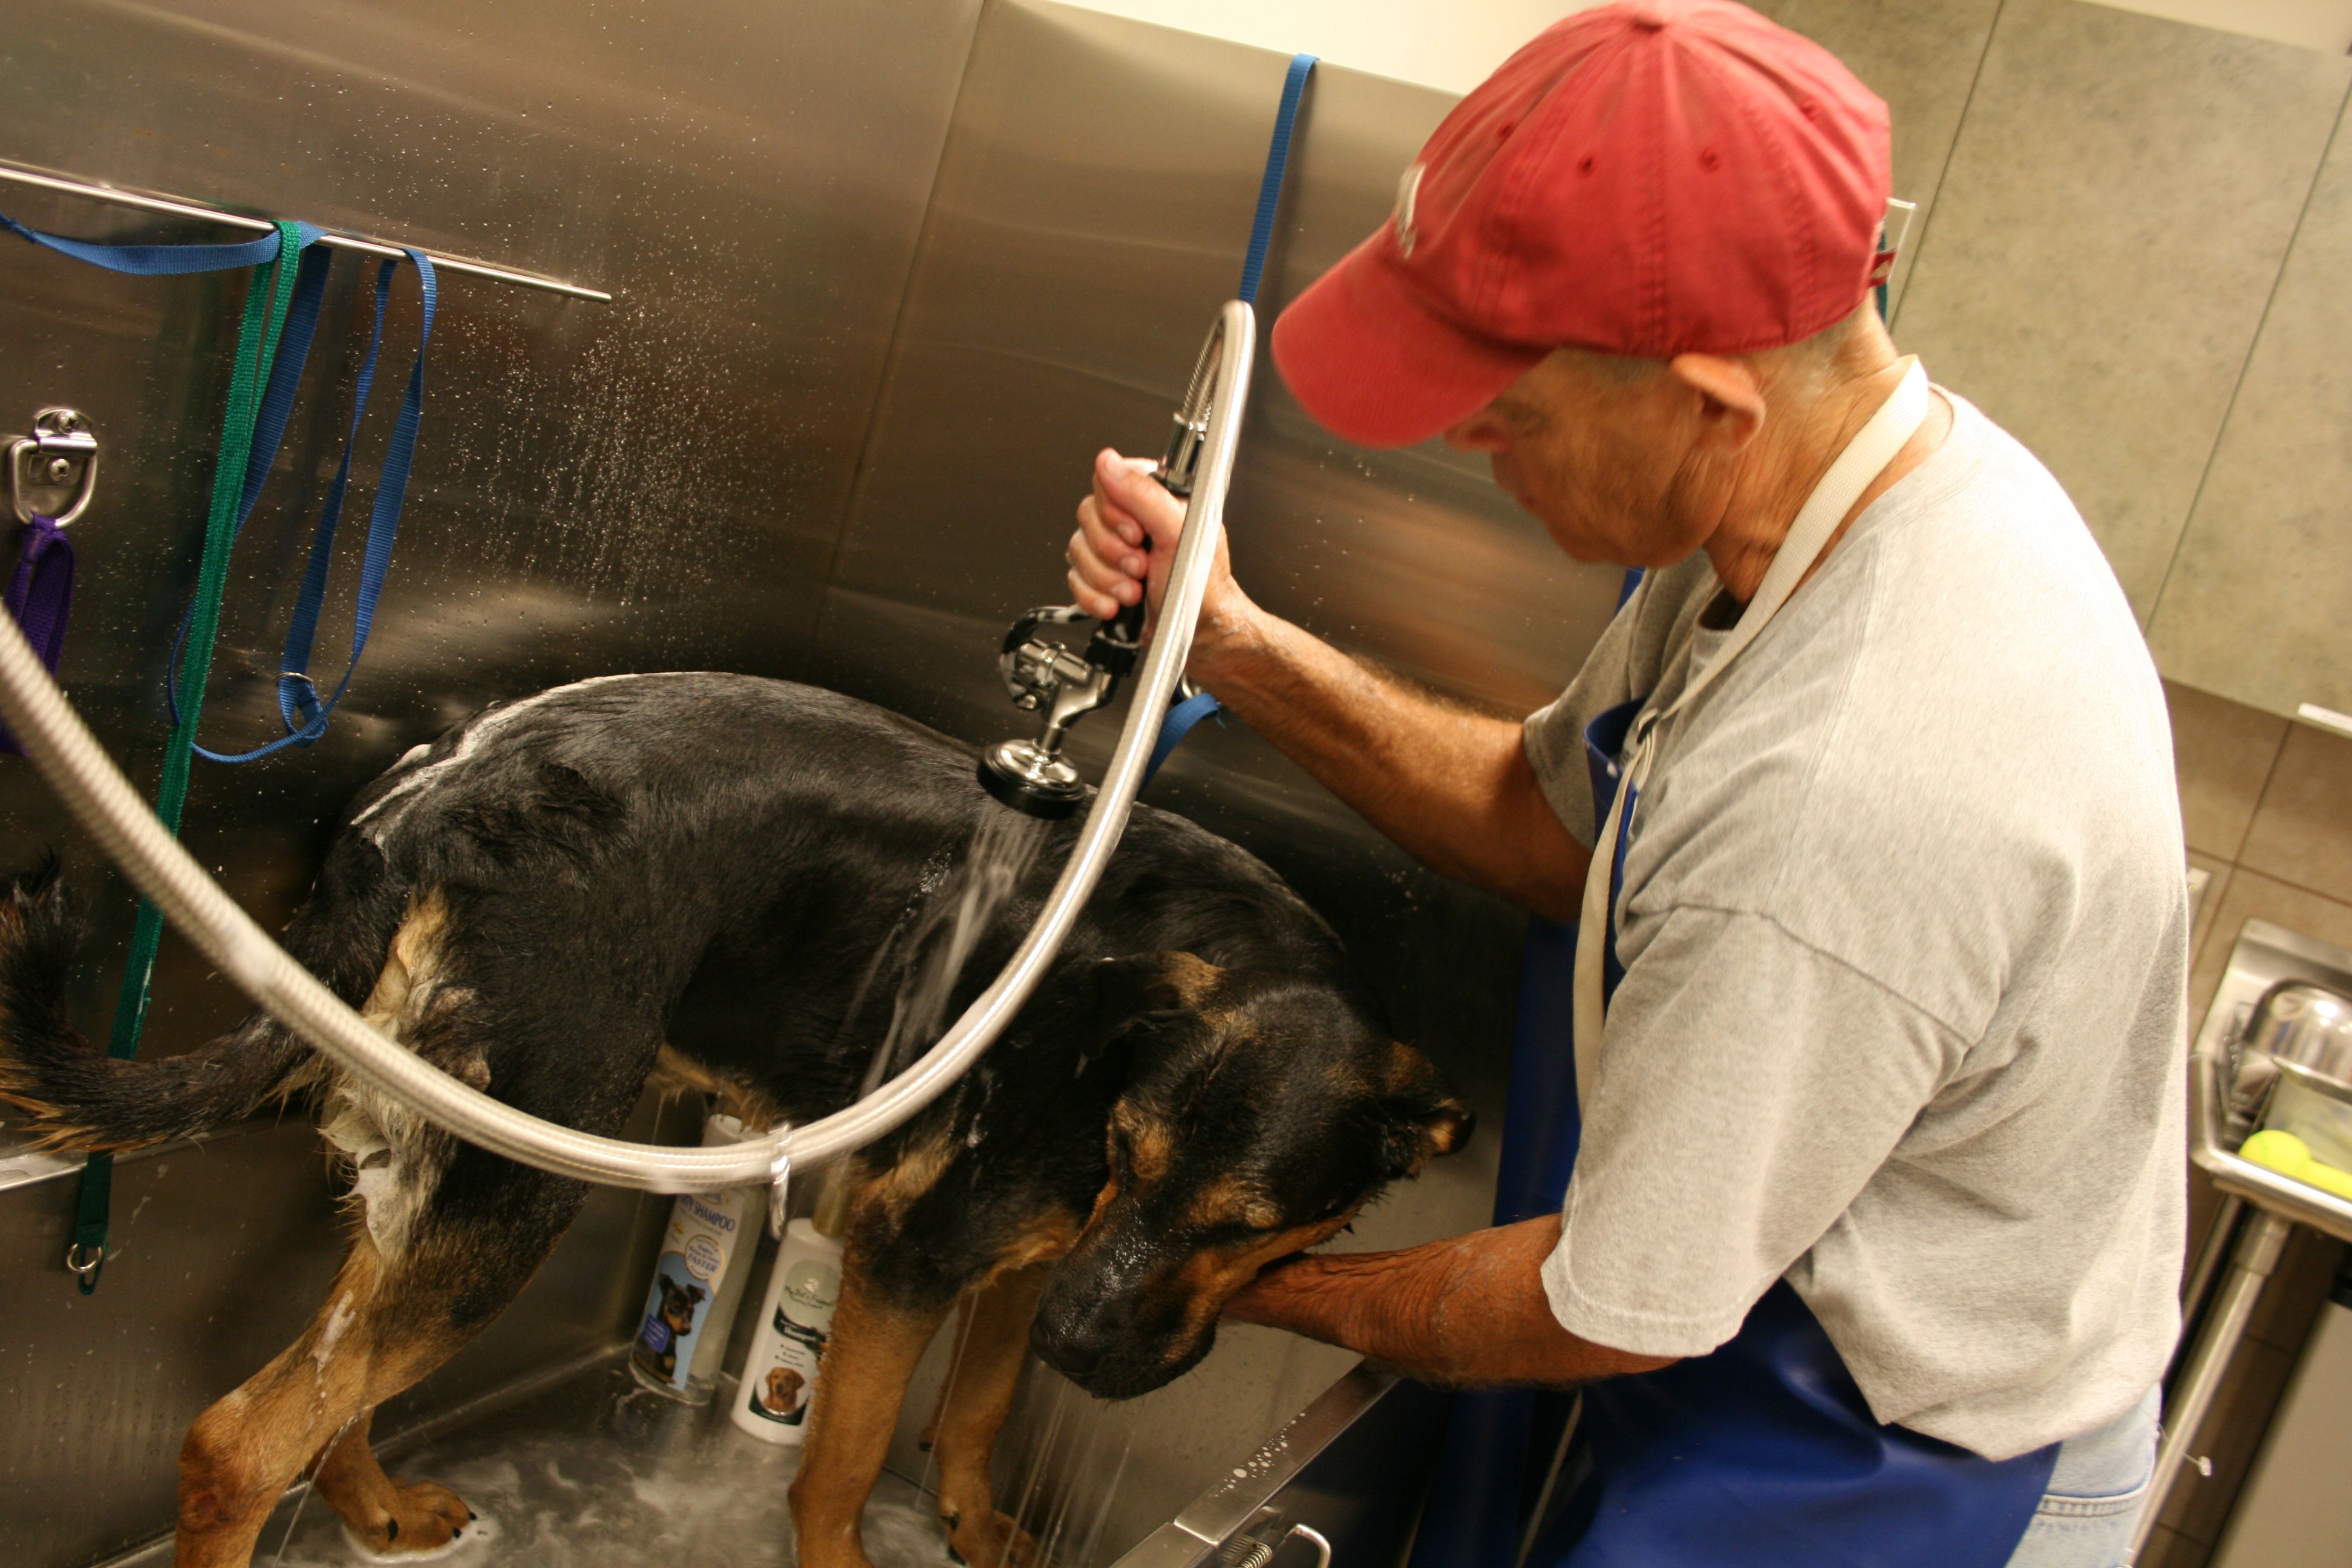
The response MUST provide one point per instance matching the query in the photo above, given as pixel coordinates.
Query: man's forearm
(1450, 786)
(1468, 1311)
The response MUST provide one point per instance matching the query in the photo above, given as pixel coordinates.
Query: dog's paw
(984, 1538)
(419, 1517)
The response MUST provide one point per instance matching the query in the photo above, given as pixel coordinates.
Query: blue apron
(1763, 1454)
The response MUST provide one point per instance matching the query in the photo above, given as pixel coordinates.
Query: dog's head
(679, 1303)
(1261, 1112)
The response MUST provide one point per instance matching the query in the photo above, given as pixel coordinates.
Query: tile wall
(2263, 803)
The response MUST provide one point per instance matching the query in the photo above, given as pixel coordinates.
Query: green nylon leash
(268, 295)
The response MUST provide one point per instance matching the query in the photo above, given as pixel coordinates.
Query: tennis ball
(2281, 1151)
(2326, 1178)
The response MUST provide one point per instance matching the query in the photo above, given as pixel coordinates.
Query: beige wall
(1433, 43)
(2314, 24)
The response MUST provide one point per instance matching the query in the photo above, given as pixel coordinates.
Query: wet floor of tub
(595, 1472)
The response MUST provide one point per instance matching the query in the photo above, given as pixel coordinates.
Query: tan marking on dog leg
(917, 1170)
(408, 963)
(676, 1074)
(868, 1359)
(372, 1338)
(1045, 1239)
(390, 1516)
(980, 1399)
(243, 1452)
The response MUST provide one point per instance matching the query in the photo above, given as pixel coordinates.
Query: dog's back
(716, 857)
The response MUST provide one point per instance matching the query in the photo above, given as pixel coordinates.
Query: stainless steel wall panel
(1091, 212)
(654, 482)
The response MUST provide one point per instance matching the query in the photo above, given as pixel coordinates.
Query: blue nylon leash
(1181, 719)
(297, 697)
(299, 709)
(1278, 165)
(161, 261)
(1178, 724)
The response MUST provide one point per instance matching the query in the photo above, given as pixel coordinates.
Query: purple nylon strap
(40, 596)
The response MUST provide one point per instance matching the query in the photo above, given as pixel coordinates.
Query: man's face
(1598, 452)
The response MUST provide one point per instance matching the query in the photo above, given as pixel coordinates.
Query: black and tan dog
(689, 875)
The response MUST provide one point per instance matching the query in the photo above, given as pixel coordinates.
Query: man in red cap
(1869, 1251)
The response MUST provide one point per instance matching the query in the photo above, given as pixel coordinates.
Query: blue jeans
(2087, 1517)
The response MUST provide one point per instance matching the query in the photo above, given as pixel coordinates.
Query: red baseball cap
(1648, 179)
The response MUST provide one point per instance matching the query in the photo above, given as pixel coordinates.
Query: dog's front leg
(978, 1399)
(869, 1358)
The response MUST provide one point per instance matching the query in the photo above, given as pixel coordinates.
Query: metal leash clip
(60, 455)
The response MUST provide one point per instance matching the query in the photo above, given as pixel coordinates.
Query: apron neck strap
(1866, 456)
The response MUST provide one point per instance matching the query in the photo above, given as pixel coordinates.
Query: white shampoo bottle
(781, 1371)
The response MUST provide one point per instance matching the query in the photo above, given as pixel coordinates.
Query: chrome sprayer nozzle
(1031, 780)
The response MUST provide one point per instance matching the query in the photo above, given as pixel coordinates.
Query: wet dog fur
(690, 878)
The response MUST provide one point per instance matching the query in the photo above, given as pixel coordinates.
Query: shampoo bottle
(781, 1371)
(706, 1254)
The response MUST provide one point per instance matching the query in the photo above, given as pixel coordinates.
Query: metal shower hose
(78, 769)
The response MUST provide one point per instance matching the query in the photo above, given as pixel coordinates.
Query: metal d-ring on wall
(77, 768)
(42, 180)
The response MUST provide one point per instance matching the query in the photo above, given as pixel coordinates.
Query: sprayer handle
(1119, 643)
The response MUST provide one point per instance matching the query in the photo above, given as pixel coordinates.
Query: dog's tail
(80, 1098)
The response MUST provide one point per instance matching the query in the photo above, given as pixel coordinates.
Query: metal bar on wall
(172, 207)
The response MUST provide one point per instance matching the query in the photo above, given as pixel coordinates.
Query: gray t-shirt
(1905, 936)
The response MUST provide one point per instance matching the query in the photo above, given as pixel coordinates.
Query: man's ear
(1730, 398)
(1122, 990)
(1423, 1120)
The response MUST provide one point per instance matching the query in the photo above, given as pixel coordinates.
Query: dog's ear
(1423, 1120)
(1122, 990)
